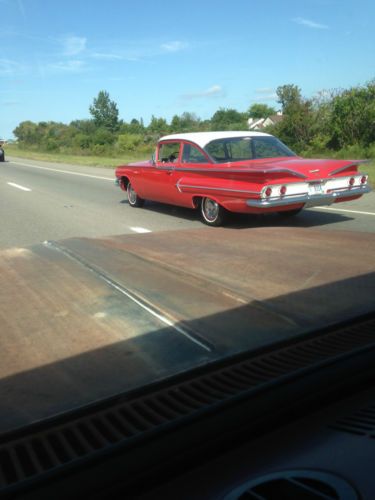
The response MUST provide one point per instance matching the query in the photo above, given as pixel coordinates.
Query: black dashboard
(291, 421)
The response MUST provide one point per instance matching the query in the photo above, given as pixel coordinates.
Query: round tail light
(268, 191)
(283, 190)
(351, 181)
(363, 179)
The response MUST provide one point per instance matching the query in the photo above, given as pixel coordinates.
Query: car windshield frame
(227, 143)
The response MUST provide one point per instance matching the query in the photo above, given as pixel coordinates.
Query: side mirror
(153, 158)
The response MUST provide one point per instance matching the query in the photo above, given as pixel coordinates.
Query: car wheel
(133, 198)
(2, 156)
(290, 213)
(213, 214)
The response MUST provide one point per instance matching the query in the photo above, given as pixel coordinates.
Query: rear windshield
(246, 148)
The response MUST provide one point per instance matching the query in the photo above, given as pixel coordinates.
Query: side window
(168, 152)
(240, 149)
(217, 150)
(191, 154)
(266, 149)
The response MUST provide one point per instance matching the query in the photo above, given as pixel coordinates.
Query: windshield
(119, 269)
(246, 148)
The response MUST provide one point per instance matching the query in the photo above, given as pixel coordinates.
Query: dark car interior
(292, 421)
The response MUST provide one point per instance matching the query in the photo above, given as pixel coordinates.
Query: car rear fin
(353, 164)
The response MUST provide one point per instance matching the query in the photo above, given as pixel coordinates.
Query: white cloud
(106, 56)
(110, 56)
(309, 23)
(135, 51)
(214, 91)
(72, 66)
(10, 103)
(73, 45)
(264, 90)
(174, 46)
(266, 97)
(265, 94)
(10, 68)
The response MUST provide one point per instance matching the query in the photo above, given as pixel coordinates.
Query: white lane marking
(23, 188)
(140, 230)
(64, 171)
(345, 210)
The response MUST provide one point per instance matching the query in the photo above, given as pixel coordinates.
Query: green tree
(297, 127)
(261, 111)
(288, 96)
(187, 122)
(158, 126)
(84, 126)
(134, 127)
(229, 119)
(105, 112)
(27, 133)
(352, 117)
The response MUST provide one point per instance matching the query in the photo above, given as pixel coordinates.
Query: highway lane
(61, 204)
(42, 201)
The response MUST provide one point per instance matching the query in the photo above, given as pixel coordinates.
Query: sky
(162, 57)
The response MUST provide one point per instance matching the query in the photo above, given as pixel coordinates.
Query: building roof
(276, 118)
(255, 122)
(260, 123)
(203, 138)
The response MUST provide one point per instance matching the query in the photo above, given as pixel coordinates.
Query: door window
(191, 154)
(169, 152)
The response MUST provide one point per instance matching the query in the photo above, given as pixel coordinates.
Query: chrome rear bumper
(309, 200)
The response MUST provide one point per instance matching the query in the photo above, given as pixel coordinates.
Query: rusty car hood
(83, 319)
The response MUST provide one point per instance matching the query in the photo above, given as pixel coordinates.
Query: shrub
(99, 149)
(353, 152)
(82, 141)
(103, 137)
(128, 142)
(371, 151)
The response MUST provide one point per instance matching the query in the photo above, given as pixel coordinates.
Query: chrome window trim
(211, 188)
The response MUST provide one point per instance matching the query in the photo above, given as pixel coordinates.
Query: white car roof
(203, 138)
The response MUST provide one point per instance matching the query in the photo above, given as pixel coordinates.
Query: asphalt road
(44, 201)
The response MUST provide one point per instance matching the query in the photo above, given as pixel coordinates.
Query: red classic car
(246, 172)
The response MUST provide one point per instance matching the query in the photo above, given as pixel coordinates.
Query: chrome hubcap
(132, 195)
(211, 209)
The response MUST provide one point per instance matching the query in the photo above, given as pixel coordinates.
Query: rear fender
(213, 187)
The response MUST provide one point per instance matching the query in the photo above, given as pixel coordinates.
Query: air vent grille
(297, 484)
(118, 423)
(361, 422)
